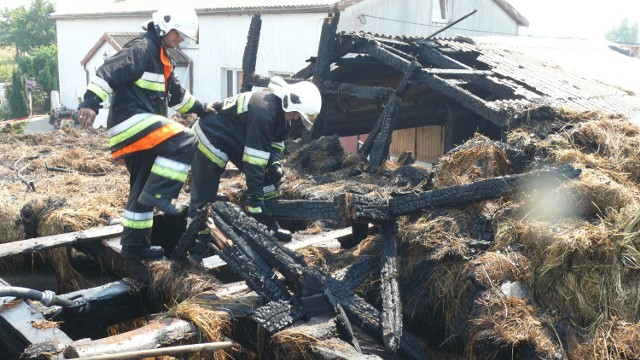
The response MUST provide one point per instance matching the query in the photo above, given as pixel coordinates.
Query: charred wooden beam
(362, 208)
(245, 261)
(322, 69)
(389, 56)
(479, 190)
(391, 318)
(251, 52)
(346, 90)
(363, 269)
(277, 315)
(463, 97)
(34, 245)
(108, 304)
(302, 209)
(188, 238)
(380, 150)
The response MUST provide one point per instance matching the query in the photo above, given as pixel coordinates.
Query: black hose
(47, 297)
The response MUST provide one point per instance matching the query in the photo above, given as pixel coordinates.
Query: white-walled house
(290, 33)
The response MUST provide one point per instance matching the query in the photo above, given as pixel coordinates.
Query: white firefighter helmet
(302, 97)
(183, 19)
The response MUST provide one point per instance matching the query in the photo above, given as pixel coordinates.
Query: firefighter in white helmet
(156, 150)
(249, 130)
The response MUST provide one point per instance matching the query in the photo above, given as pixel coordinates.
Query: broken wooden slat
(391, 318)
(54, 241)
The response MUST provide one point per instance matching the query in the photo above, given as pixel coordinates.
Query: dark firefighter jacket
(140, 80)
(248, 130)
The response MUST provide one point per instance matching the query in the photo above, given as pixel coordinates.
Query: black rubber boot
(163, 205)
(283, 235)
(142, 252)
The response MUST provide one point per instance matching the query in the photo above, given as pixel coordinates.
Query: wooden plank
(429, 143)
(54, 241)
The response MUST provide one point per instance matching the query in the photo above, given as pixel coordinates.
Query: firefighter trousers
(205, 181)
(160, 171)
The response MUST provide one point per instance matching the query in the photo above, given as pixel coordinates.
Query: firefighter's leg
(169, 172)
(205, 180)
(138, 218)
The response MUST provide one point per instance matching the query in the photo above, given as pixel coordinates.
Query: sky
(575, 18)
(547, 18)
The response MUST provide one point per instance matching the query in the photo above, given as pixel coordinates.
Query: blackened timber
(326, 47)
(188, 239)
(302, 209)
(387, 57)
(322, 69)
(391, 318)
(247, 263)
(367, 317)
(285, 261)
(479, 190)
(365, 149)
(363, 269)
(346, 90)
(380, 150)
(277, 315)
(463, 97)
(109, 304)
(251, 52)
(362, 208)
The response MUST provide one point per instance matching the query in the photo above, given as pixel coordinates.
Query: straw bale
(320, 156)
(172, 282)
(612, 340)
(292, 344)
(479, 158)
(508, 327)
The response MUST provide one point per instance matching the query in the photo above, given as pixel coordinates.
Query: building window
(441, 11)
(232, 82)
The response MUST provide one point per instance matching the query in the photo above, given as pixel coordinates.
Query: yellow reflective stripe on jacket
(254, 210)
(170, 169)
(240, 101)
(130, 127)
(134, 220)
(278, 146)
(212, 153)
(255, 156)
(100, 87)
(151, 81)
(186, 104)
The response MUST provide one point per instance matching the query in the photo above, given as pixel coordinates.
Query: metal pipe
(172, 350)
(47, 297)
(450, 25)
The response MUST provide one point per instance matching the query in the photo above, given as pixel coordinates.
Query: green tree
(42, 64)
(17, 95)
(26, 29)
(623, 33)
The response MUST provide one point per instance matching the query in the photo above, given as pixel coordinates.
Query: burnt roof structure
(376, 84)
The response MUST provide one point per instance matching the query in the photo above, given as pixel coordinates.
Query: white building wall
(414, 18)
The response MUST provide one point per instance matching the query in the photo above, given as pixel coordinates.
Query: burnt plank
(479, 190)
(55, 241)
(302, 209)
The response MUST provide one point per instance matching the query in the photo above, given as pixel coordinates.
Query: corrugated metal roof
(530, 62)
(142, 7)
